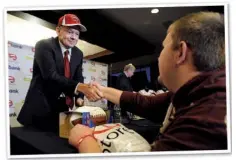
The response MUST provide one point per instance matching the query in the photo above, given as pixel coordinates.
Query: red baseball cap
(71, 20)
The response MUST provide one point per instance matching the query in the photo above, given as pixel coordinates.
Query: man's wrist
(104, 90)
(89, 145)
(81, 139)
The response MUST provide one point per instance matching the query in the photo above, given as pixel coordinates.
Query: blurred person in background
(123, 83)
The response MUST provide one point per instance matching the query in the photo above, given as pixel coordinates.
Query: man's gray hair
(129, 66)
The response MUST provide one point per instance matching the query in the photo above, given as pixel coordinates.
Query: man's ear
(58, 30)
(182, 52)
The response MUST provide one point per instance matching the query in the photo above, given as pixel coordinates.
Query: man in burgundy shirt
(191, 66)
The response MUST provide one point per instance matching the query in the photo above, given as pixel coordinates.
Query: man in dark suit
(57, 77)
(123, 83)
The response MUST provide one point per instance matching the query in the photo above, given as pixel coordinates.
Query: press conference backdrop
(20, 63)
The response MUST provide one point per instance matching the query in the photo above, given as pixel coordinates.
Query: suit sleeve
(123, 84)
(151, 107)
(79, 77)
(44, 59)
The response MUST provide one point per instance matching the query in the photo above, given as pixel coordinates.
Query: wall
(20, 62)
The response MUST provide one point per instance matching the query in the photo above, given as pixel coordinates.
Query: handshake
(93, 91)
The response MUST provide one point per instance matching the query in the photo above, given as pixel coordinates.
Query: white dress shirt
(63, 49)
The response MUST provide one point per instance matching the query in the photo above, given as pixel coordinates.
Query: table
(145, 128)
(32, 141)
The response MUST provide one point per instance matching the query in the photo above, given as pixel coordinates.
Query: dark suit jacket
(42, 104)
(123, 83)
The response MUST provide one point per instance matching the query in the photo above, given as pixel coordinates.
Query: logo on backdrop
(29, 57)
(103, 73)
(13, 114)
(11, 79)
(12, 57)
(14, 67)
(93, 78)
(10, 103)
(27, 78)
(13, 91)
(101, 79)
(92, 69)
(93, 63)
(14, 45)
(11, 106)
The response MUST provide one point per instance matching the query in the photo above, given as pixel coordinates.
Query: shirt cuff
(76, 92)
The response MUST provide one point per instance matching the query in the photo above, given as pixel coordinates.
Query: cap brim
(82, 28)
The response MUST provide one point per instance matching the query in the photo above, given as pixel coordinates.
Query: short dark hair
(204, 33)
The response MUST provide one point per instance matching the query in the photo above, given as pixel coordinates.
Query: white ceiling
(29, 32)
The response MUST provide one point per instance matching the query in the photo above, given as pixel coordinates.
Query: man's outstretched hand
(91, 91)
